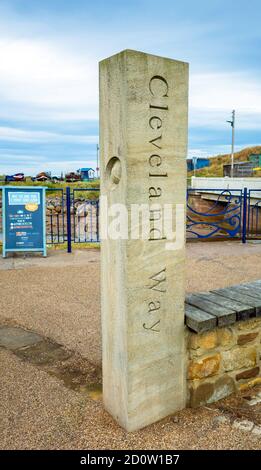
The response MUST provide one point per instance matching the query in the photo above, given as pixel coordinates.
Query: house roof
(198, 158)
(86, 169)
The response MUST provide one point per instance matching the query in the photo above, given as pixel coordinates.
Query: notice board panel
(24, 219)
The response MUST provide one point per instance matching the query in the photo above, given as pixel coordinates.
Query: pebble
(244, 425)
(221, 420)
(257, 431)
(254, 401)
(175, 419)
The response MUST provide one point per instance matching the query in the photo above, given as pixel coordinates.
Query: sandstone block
(211, 391)
(223, 387)
(204, 341)
(250, 324)
(238, 358)
(247, 338)
(143, 147)
(250, 384)
(204, 367)
(248, 374)
(226, 337)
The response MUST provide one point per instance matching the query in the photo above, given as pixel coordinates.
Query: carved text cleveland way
(157, 174)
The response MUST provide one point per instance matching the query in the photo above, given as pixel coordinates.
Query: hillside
(216, 163)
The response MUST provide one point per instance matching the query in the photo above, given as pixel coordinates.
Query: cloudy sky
(49, 50)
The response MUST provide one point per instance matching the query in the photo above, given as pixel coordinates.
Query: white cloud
(23, 158)
(40, 74)
(213, 96)
(20, 135)
(43, 80)
(222, 90)
(214, 150)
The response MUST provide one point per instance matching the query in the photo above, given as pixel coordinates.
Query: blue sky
(49, 53)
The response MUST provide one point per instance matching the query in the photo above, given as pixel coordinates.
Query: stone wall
(222, 361)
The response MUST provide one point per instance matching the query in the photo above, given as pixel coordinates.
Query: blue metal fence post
(3, 221)
(244, 222)
(68, 214)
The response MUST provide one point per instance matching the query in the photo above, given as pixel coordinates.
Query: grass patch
(54, 189)
(75, 246)
(215, 169)
(58, 185)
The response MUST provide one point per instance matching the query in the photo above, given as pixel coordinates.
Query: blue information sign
(23, 219)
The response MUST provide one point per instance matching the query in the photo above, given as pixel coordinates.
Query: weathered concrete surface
(58, 297)
(143, 144)
(14, 338)
(76, 372)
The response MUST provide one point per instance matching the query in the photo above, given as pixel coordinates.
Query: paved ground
(58, 298)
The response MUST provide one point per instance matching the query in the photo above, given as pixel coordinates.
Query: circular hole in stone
(113, 172)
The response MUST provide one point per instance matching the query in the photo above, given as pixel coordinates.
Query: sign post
(143, 142)
(23, 213)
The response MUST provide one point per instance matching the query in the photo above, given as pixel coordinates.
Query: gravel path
(58, 297)
(38, 412)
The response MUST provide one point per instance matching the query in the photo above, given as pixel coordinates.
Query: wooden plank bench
(205, 311)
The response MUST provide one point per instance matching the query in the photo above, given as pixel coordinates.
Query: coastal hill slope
(216, 163)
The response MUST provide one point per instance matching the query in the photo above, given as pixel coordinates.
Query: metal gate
(215, 214)
(56, 232)
(72, 216)
(254, 214)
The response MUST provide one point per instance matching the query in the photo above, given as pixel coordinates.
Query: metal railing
(55, 216)
(254, 214)
(85, 223)
(214, 213)
(72, 215)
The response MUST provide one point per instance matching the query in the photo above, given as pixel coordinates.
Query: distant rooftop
(85, 169)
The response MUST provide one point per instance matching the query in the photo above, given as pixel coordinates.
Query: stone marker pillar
(143, 145)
